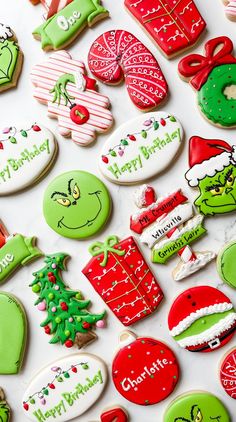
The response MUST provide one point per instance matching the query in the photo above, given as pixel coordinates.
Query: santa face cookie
(230, 9)
(144, 371)
(202, 319)
(11, 58)
(4, 408)
(199, 406)
(226, 265)
(76, 204)
(174, 27)
(228, 373)
(71, 97)
(213, 170)
(119, 54)
(141, 148)
(27, 152)
(213, 76)
(65, 389)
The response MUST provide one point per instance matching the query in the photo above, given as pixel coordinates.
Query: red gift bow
(114, 415)
(200, 66)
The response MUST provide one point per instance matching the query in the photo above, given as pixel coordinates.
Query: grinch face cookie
(228, 373)
(144, 371)
(197, 407)
(11, 58)
(226, 265)
(4, 408)
(76, 204)
(65, 389)
(202, 319)
(213, 170)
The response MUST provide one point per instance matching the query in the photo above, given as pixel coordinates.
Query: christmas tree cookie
(68, 320)
(11, 58)
(4, 408)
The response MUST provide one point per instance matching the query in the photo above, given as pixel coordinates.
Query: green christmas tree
(68, 319)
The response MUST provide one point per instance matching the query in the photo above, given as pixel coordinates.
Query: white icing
(59, 401)
(5, 32)
(139, 195)
(80, 82)
(187, 268)
(194, 316)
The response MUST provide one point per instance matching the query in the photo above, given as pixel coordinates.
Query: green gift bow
(98, 248)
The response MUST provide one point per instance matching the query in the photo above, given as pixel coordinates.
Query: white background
(23, 212)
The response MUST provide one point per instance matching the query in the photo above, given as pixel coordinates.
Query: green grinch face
(8, 59)
(76, 204)
(218, 193)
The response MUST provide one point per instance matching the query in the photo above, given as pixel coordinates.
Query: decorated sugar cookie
(212, 170)
(226, 265)
(65, 20)
(71, 98)
(115, 414)
(11, 58)
(160, 225)
(228, 373)
(230, 9)
(197, 406)
(212, 75)
(119, 273)
(13, 334)
(27, 152)
(4, 408)
(68, 320)
(118, 54)
(76, 204)
(65, 389)
(141, 148)
(202, 319)
(144, 371)
(174, 27)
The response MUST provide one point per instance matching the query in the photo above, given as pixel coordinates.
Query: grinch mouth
(206, 201)
(89, 223)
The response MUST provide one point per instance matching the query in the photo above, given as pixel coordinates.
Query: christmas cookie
(202, 319)
(115, 414)
(4, 408)
(141, 148)
(65, 389)
(230, 9)
(27, 152)
(13, 334)
(119, 273)
(11, 58)
(212, 165)
(144, 371)
(226, 264)
(174, 26)
(228, 373)
(118, 54)
(76, 204)
(197, 406)
(71, 97)
(65, 20)
(213, 77)
(68, 319)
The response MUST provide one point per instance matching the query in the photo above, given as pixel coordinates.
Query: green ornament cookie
(197, 407)
(76, 204)
(226, 264)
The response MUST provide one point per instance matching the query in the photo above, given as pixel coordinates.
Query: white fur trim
(5, 32)
(208, 167)
(194, 316)
(233, 155)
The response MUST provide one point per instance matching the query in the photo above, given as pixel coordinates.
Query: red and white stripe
(186, 253)
(54, 6)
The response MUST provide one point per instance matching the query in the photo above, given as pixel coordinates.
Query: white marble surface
(23, 213)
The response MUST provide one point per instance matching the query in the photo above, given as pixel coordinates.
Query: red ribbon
(114, 415)
(217, 52)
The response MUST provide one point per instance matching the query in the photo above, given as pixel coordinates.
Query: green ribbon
(98, 248)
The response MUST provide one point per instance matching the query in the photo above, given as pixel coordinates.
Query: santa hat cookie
(202, 319)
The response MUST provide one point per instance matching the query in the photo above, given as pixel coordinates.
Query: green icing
(211, 99)
(197, 407)
(4, 408)
(13, 330)
(9, 53)
(59, 90)
(226, 264)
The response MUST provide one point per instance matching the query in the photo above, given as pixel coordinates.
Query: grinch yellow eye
(217, 191)
(199, 417)
(230, 180)
(76, 192)
(64, 201)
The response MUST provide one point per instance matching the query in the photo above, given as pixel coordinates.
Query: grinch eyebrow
(69, 186)
(208, 188)
(229, 172)
(59, 193)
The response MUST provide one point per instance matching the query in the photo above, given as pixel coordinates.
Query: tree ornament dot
(78, 296)
(41, 306)
(56, 287)
(69, 343)
(78, 319)
(52, 279)
(41, 275)
(71, 319)
(36, 288)
(51, 296)
(58, 320)
(86, 325)
(54, 266)
(54, 309)
(47, 329)
(101, 323)
(67, 333)
(50, 274)
(64, 306)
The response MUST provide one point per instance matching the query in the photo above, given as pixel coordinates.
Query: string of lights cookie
(12, 131)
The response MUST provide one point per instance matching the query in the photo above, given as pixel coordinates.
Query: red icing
(228, 374)
(90, 83)
(174, 25)
(198, 67)
(145, 372)
(114, 415)
(201, 149)
(118, 54)
(79, 114)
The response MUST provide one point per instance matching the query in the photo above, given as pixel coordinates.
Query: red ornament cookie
(118, 54)
(145, 371)
(228, 373)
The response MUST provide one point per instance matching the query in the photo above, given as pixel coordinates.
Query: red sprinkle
(86, 325)
(69, 343)
(64, 306)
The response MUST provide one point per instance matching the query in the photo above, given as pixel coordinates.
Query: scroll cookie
(4, 408)
(228, 373)
(212, 170)
(230, 9)
(213, 76)
(118, 54)
(202, 319)
(11, 58)
(65, 389)
(174, 26)
(197, 406)
(65, 20)
(71, 97)
(226, 265)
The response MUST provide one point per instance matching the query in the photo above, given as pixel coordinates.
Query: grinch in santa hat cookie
(227, 373)
(202, 319)
(213, 170)
(213, 76)
(11, 58)
(71, 97)
(230, 9)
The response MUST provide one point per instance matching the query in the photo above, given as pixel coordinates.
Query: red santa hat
(207, 157)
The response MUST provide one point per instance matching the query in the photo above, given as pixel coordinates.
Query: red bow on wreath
(217, 52)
